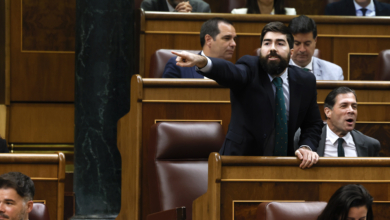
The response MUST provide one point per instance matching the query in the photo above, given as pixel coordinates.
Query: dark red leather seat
(39, 212)
(159, 60)
(178, 164)
(290, 210)
(383, 67)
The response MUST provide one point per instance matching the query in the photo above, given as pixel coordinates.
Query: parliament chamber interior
(152, 153)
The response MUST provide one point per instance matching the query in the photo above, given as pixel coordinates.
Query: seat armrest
(178, 213)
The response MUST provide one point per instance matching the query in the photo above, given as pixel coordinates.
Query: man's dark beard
(274, 68)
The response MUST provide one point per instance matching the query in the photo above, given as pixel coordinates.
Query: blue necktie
(364, 10)
(280, 148)
(340, 149)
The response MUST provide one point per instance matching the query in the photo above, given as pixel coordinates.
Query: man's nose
(302, 48)
(233, 43)
(2, 207)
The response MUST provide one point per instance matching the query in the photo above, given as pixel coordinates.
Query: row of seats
(177, 172)
(160, 58)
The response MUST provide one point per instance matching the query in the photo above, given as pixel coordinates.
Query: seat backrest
(383, 67)
(39, 212)
(289, 210)
(178, 162)
(159, 60)
(232, 4)
(316, 53)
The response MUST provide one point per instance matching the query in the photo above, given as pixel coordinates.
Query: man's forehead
(303, 36)
(225, 27)
(275, 36)
(345, 98)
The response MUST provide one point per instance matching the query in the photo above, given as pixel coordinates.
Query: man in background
(339, 138)
(16, 196)
(175, 5)
(217, 38)
(367, 8)
(304, 30)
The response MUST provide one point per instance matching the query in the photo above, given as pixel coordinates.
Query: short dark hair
(253, 7)
(346, 197)
(330, 99)
(277, 26)
(303, 24)
(210, 27)
(21, 183)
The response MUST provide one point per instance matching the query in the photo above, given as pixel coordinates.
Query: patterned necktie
(340, 149)
(364, 10)
(280, 148)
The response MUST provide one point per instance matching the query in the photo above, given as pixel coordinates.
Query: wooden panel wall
(338, 37)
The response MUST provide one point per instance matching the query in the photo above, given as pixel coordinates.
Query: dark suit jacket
(347, 7)
(173, 71)
(161, 5)
(252, 101)
(365, 146)
(3, 146)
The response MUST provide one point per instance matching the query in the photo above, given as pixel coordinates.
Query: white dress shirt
(370, 9)
(308, 66)
(331, 144)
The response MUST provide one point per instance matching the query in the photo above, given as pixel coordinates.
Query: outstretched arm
(186, 59)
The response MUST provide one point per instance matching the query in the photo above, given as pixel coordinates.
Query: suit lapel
(317, 68)
(321, 145)
(267, 85)
(295, 97)
(361, 148)
(350, 7)
(378, 9)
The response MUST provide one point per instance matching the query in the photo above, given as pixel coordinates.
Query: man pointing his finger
(270, 100)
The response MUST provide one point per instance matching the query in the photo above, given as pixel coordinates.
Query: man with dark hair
(304, 30)
(217, 38)
(270, 100)
(367, 8)
(339, 138)
(175, 5)
(16, 196)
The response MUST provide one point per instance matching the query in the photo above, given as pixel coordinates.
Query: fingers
(309, 158)
(183, 7)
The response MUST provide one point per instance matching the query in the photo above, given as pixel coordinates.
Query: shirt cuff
(305, 146)
(206, 68)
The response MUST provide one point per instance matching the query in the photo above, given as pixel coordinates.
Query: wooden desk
(154, 100)
(48, 173)
(236, 185)
(351, 42)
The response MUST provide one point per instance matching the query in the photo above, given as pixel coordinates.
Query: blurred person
(16, 196)
(304, 30)
(367, 8)
(265, 7)
(175, 5)
(217, 38)
(350, 202)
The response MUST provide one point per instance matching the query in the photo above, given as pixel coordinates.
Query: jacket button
(264, 135)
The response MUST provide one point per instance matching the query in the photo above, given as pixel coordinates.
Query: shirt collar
(284, 76)
(333, 137)
(170, 8)
(370, 6)
(308, 66)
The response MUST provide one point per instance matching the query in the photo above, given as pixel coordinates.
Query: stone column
(104, 65)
